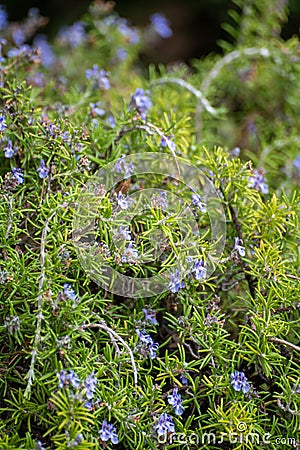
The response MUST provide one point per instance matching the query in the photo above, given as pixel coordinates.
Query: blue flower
(183, 379)
(160, 200)
(18, 35)
(3, 18)
(77, 440)
(164, 425)
(176, 281)
(100, 77)
(199, 270)
(140, 100)
(123, 234)
(258, 181)
(130, 254)
(148, 345)
(123, 202)
(239, 382)
(90, 386)
(175, 401)
(123, 167)
(65, 379)
(128, 32)
(96, 110)
(150, 315)
(161, 25)
(198, 202)
(46, 53)
(2, 123)
(238, 247)
(69, 292)
(108, 432)
(153, 347)
(42, 170)
(73, 35)
(39, 446)
(297, 162)
(9, 151)
(18, 174)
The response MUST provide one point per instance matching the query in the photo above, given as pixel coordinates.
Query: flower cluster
(161, 25)
(239, 382)
(125, 168)
(176, 281)
(164, 425)
(146, 345)
(140, 100)
(238, 247)
(108, 433)
(199, 203)
(199, 270)
(99, 77)
(258, 181)
(150, 315)
(175, 401)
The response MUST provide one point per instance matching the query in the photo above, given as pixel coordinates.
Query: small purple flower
(39, 446)
(239, 382)
(73, 35)
(140, 100)
(69, 292)
(183, 379)
(121, 53)
(18, 174)
(123, 234)
(160, 201)
(111, 121)
(96, 110)
(77, 440)
(90, 386)
(161, 25)
(166, 142)
(153, 347)
(46, 53)
(199, 203)
(9, 151)
(128, 32)
(130, 254)
(164, 425)
(147, 345)
(3, 18)
(43, 170)
(258, 181)
(62, 379)
(199, 270)
(150, 315)
(2, 123)
(297, 162)
(175, 401)
(238, 247)
(100, 77)
(123, 167)
(108, 432)
(18, 35)
(176, 281)
(24, 50)
(123, 201)
(74, 379)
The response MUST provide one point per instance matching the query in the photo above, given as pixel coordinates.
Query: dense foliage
(209, 356)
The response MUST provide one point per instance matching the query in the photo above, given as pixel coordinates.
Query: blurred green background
(196, 23)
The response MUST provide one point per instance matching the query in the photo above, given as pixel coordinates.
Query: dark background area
(196, 23)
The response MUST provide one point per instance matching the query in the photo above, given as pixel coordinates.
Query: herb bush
(208, 357)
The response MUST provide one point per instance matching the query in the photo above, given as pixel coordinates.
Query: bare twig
(283, 342)
(114, 335)
(30, 373)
